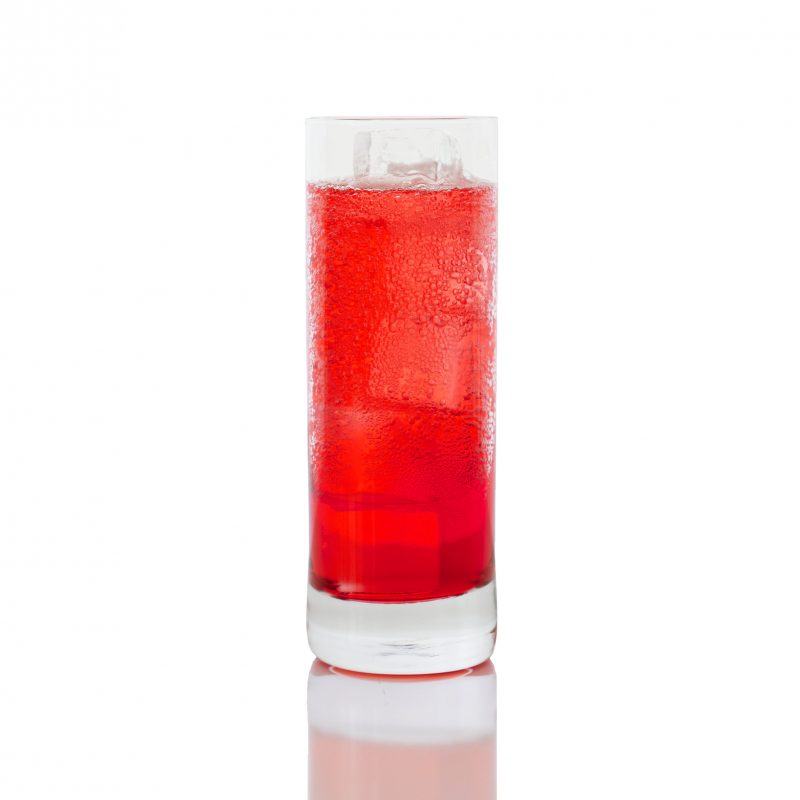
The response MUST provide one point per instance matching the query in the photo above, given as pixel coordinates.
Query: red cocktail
(401, 272)
(402, 335)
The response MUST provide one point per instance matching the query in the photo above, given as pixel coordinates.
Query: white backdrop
(153, 541)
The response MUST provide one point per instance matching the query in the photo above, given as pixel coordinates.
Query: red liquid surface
(401, 368)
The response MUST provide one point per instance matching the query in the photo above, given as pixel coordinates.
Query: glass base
(421, 638)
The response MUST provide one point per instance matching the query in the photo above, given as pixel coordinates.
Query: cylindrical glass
(402, 243)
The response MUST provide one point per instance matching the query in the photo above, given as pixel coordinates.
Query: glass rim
(456, 118)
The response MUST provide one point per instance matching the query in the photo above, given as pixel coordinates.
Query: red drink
(402, 372)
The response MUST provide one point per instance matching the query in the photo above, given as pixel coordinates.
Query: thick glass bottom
(420, 638)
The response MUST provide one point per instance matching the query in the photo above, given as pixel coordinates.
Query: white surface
(152, 385)
(421, 638)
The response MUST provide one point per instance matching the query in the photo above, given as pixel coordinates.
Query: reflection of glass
(402, 240)
(396, 738)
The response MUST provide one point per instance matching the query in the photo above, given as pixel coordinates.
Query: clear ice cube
(423, 155)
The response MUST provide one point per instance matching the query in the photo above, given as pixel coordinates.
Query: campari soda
(402, 243)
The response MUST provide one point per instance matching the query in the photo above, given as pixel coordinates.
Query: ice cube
(423, 155)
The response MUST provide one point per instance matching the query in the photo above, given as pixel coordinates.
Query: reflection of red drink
(402, 739)
(401, 362)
